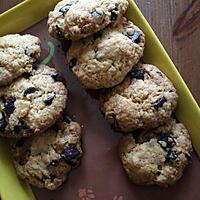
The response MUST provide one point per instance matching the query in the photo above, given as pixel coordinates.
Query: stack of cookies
(137, 99)
(45, 143)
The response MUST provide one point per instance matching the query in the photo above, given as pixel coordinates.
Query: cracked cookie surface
(76, 19)
(158, 156)
(17, 55)
(104, 59)
(46, 160)
(145, 99)
(31, 104)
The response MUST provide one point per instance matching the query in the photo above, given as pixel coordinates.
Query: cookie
(17, 55)
(145, 99)
(46, 160)
(104, 59)
(76, 19)
(31, 104)
(158, 156)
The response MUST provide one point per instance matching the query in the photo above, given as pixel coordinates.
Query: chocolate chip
(158, 173)
(97, 35)
(72, 62)
(137, 73)
(9, 106)
(159, 103)
(70, 154)
(95, 14)
(3, 123)
(48, 101)
(29, 91)
(54, 76)
(115, 124)
(166, 141)
(19, 143)
(29, 53)
(65, 9)
(113, 16)
(135, 37)
(171, 155)
(160, 74)
(21, 125)
(59, 33)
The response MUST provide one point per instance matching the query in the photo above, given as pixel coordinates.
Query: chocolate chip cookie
(31, 104)
(17, 55)
(46, 160)
(76, 19)
(104, 59)
(158, 156)
(145, 99)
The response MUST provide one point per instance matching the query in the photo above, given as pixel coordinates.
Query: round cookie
(145, 99)
(46, 160)
(17, 54)
(158, 156)
(104, 59)
(31, 104)
(76, 19)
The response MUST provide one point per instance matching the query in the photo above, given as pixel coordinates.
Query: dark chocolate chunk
(158, 173)
(29, 53)
(113, 16)
(59, 33)
(29, 91)
(19, 143)
(160, 74)
(3, 123)
(166, 141)
(65, 9)
(72, 62)
(171, 155)
(54, 76)
(135, 37)
(95, 14)
(137, 73)
(9, 105)
(70, 154)
(159, 103)
(48, 101)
